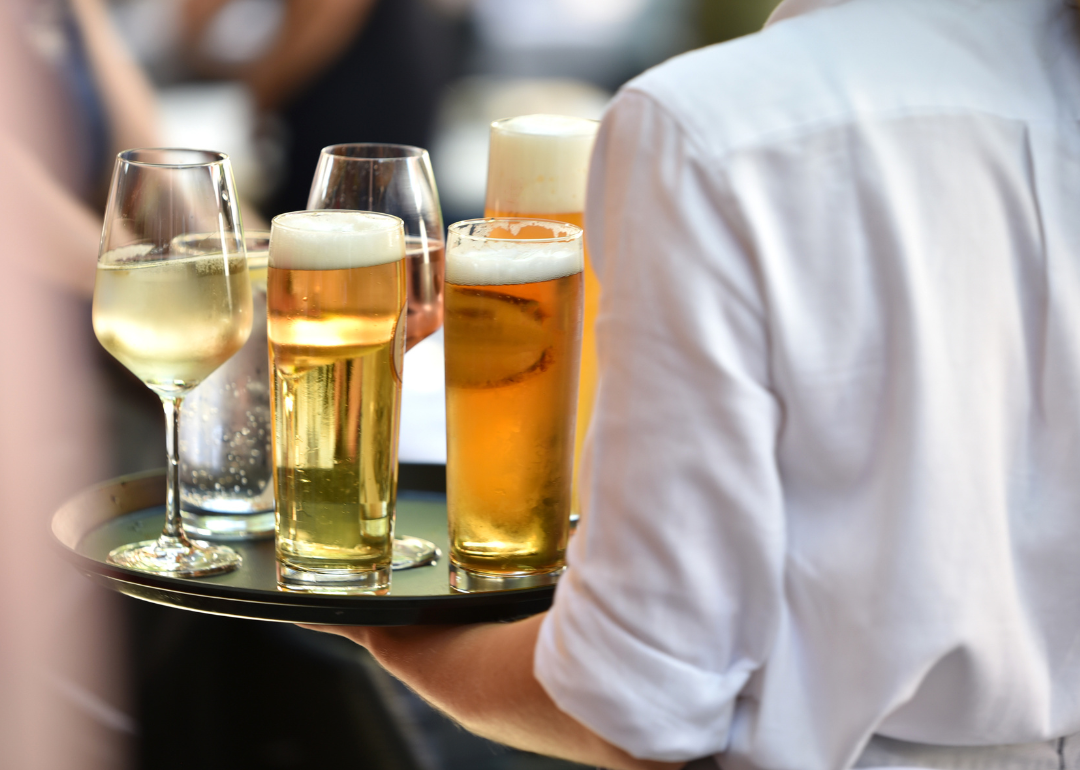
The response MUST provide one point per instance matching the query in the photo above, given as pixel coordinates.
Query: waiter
(834, 501)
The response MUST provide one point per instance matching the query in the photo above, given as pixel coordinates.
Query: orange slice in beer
(493, 338)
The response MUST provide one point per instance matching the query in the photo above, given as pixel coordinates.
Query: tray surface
(132, 508)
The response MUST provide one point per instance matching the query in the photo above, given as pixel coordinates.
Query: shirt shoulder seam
(807, 128)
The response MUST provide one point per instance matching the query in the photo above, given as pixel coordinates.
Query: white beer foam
(539, 164)
(334, 240)
(508, 262)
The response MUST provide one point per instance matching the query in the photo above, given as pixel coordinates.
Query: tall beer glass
(538, 166)
(336, 305)
(172, 315)
(513, 344)
(394, 179)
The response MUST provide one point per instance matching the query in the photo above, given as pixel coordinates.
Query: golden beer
(538, 166)
(513, 344)
(336, 328)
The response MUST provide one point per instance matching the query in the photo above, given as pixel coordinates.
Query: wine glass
(394, 179)
(172, 308)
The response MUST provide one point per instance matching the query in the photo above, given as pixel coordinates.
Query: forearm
(127, 93)
(482, 676)
(63, 248)
(313, 35)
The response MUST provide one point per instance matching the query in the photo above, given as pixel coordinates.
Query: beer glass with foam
(537, 167)
(336, 326)
(513, 343)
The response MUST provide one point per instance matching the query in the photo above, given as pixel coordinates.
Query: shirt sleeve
(673, 596)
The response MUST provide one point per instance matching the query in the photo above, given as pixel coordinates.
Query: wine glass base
(467, 582)
(174, 558)
(412, 552)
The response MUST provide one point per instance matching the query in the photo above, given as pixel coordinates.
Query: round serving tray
(131, 508)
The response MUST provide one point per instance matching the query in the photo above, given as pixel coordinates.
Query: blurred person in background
(340, 71)
(560, 57)
(69, 100)
(73, 99)
(832, 503)
(603, 42)
(716, 21)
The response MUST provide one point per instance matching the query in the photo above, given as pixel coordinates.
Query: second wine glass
(394, 179)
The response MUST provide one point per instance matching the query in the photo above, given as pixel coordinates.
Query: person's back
(837, 447)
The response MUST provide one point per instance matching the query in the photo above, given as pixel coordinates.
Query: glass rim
(500, 125)
(278, 221)
(211, 157)
(408, 151)
(574, 232)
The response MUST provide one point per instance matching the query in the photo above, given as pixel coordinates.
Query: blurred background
(271, 82)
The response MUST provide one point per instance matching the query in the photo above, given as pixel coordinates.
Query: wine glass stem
(172, 493)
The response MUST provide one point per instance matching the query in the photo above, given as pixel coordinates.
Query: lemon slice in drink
(494, 339)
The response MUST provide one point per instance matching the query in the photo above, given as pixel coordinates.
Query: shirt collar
(791, 8)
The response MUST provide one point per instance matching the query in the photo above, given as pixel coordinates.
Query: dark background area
(273, 696)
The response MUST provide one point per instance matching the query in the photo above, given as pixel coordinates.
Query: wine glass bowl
(392, 179)
(168, 317)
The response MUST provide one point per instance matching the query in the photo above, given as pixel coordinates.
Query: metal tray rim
(70, 525)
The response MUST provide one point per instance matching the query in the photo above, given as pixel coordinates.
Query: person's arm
(674, 590)
(127, 92)
(482, 676)
(35, 199)
(128, 96)
(66, 231)
(312, 35)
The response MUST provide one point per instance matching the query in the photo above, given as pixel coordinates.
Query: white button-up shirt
(835, 466)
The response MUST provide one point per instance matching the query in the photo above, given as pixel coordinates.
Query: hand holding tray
(131, 508)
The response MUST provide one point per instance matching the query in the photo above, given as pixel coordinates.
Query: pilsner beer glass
(537, 167)
(336, 325)
(172, 315)
(513, 344)
(226, 487)
(394, 179)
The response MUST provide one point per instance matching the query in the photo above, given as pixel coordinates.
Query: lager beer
(336, 328)
(538, 167)
(513, 337)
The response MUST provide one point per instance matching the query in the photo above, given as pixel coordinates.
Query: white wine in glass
(171, 322)
(172, 316)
